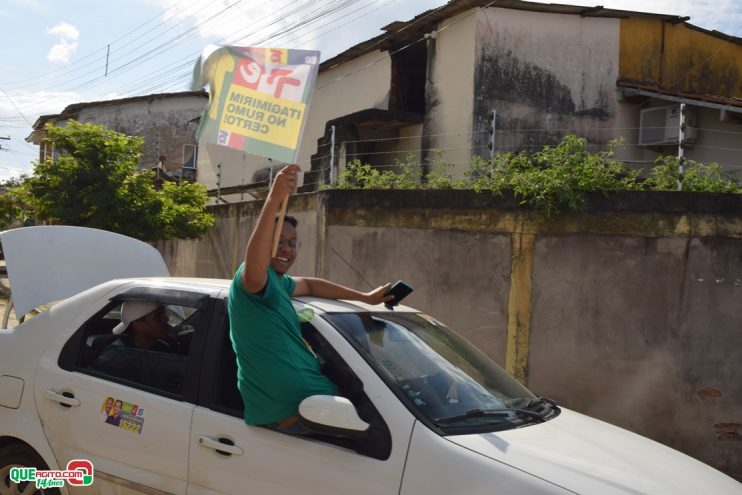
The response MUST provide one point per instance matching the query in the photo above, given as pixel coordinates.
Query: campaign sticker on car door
(124, 415)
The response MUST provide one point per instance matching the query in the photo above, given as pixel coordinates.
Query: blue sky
(55, 51)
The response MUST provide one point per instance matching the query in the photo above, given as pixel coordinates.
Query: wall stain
(501, 76)
(504, 76)
(708, 393)
(728, 431)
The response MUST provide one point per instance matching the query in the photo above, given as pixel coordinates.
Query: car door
(135, 432)
(230, 457)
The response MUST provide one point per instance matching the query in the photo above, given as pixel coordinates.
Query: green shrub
(696, 177)
(555, 179)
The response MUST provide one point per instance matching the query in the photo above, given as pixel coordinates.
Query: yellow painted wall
(692, 61)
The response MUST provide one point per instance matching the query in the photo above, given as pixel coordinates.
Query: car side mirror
(331, 414)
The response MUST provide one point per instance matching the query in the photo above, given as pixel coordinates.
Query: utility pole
(492, 117)
(332, 155)
(218, 182)
(681, 147)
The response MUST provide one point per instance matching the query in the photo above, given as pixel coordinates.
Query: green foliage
(696, 177)
(9, 211)
(14, 209)
(180, 201)
(95, 183)
(557, 178)
(358, 175)
(552, 180)
(440, 176)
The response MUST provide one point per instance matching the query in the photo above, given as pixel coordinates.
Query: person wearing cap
(144, 325)
(143, 352)
(276, 369)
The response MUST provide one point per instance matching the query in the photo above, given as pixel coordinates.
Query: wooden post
(279, 227)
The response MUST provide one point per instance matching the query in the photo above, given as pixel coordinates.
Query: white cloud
(67, 44)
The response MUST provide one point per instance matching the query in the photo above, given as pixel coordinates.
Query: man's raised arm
(258, 252)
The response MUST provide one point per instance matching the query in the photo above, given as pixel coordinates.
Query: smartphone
(399, 290)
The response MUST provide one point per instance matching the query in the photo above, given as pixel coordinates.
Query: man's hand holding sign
(262, 95)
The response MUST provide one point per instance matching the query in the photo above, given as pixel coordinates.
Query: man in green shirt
(276, 369)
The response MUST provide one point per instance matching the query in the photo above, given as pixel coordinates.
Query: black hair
(290, 220)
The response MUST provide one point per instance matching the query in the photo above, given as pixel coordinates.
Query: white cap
(131, 311)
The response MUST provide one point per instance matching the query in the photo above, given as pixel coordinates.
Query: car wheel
(15, 455)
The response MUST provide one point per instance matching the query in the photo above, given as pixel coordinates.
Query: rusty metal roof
(650, 89)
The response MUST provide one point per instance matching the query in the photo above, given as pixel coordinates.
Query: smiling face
(286, 253)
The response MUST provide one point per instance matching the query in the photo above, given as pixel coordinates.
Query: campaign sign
(258, 98)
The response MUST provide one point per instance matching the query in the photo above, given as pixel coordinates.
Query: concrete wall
(546, 75)
(628, 312)
(450, 91)
(164, 122)
(359, 84)
(716, 140)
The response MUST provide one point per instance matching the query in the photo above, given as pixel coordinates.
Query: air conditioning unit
(661, 126)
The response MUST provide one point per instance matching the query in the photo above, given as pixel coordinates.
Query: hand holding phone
(399, 290)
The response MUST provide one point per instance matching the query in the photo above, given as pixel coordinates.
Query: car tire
(17, 455)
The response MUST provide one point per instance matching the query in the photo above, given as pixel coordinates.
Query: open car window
(162, 368)
(223, 395)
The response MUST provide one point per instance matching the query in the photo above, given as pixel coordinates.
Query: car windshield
(441, 376)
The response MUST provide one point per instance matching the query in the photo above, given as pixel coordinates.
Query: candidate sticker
(124, 415)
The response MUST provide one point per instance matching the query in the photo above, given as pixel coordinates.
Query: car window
(225, 396)
(441, 376)
(160, 366)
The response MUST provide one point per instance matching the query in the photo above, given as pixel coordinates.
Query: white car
(422, 412)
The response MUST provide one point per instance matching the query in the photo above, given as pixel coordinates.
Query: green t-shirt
(276, 370)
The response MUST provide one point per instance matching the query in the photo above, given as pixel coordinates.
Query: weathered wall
(678, 57)
(218, 253)
(628, 312)
(165, 122)
(448, 93)
(716, 140)
(546, 75)
(359, 84)
(664, 55)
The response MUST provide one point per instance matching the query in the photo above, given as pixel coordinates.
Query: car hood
(588, 456)
(50, 263)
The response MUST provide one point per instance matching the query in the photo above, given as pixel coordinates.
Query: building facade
(432, 84)
(167, 122)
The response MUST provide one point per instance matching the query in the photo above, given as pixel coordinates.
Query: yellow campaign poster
(258, 98)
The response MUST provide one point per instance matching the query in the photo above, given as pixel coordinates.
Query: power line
(15, 106)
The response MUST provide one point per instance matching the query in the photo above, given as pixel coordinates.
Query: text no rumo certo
(255, 109)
